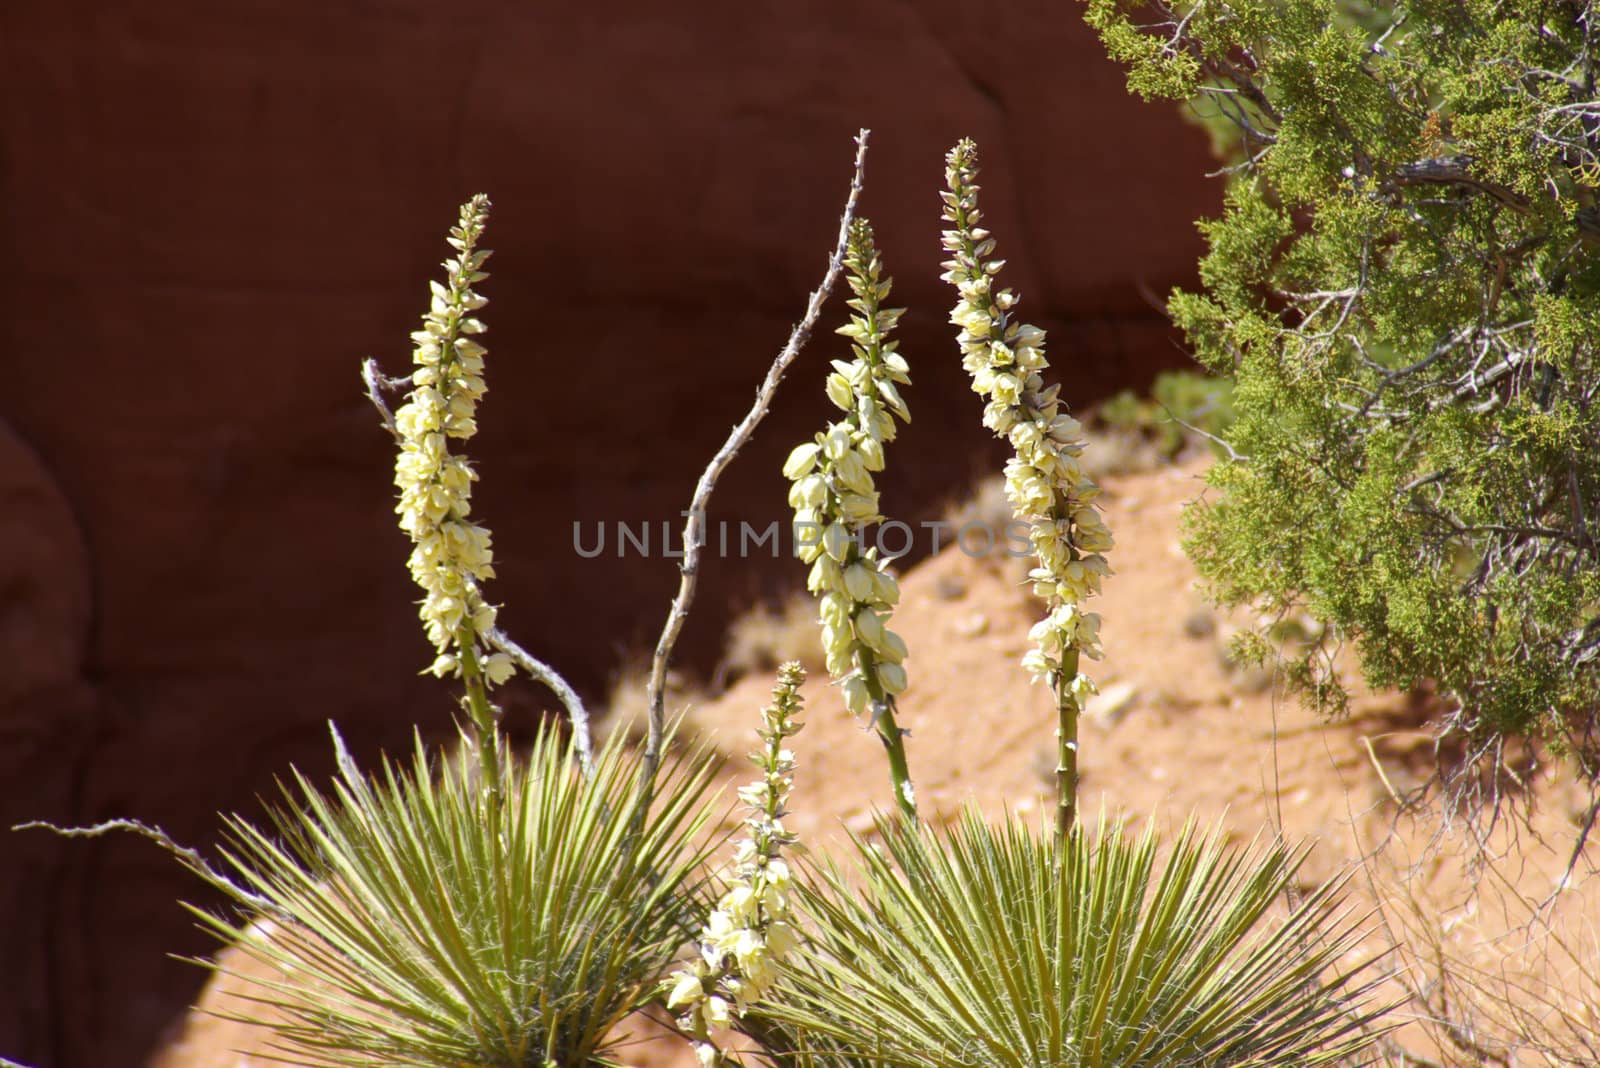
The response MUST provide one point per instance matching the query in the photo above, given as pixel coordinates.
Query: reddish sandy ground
(1176, 731)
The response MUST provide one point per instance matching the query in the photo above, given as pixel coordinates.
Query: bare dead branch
(186, 856)
(577, 715)
(376, 383)
(693, 530)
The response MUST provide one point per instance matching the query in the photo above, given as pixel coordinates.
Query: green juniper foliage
(1181, 403)
(1405, 287)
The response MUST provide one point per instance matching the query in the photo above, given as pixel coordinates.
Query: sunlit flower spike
(451, 554)
(751, 931)
(835, 498)
(1045, 481)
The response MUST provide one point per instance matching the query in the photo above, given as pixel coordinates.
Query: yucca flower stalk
(452, 555)
(750, 932)
(834, 499)
(1045, 481)
(489, 911)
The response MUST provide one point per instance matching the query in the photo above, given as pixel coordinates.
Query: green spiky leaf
(981, 947)
(400, 933)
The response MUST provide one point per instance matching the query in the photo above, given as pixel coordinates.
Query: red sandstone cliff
(212, 211)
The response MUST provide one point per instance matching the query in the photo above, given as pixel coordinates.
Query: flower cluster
(750, 931)
(451, 554)
(1045, 481)
(834, 497)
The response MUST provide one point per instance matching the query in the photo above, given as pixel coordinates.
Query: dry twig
(694, 528)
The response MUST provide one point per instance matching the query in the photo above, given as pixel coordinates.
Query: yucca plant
(404, 931)
(994, 945)
(1001, 946)
(483, 912)
(487, 912)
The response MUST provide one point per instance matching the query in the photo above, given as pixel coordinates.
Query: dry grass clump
(626, 706)
(1121, 450)
(767, 636)
(1495, 977)
(986, 506)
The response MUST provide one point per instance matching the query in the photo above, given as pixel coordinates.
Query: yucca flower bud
(750, 932)
(451, 554)
(833, 485)
(1045, 482)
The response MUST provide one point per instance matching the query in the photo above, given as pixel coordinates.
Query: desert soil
(1177, 731)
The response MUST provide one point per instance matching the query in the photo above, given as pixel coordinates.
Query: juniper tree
(1405, 287)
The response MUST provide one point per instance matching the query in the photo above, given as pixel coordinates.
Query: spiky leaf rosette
(986, 946)
(401, 934)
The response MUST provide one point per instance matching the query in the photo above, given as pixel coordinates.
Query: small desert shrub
(765, 637)
(1183, 407)
(625, 710)
(985, 507)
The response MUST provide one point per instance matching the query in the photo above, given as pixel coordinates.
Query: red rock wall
(212, 211)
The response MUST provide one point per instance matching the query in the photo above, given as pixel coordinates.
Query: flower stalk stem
(451, 554)
(834, 496)
(694, 528)
(1045, 480)
(485, 730)
(750, 932)
(1067, 712)
(892, 735)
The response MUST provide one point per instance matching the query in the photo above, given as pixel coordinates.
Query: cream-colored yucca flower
(834, 497)
(834, 500)
(1045, 481)
(751, 930)
(451, 554)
